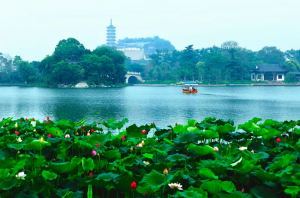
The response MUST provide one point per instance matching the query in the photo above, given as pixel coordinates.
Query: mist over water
(144, 105)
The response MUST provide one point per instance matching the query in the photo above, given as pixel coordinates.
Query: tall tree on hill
(293, 55)
(230, 47)
(271, 55)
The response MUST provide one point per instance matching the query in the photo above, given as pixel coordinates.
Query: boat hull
(188, 91)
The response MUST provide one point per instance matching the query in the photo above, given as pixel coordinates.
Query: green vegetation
(227, 64)
(69, 64)
(211, 158)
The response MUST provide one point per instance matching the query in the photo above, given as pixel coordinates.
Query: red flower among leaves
(123, 137)
(98, 145)
(91, 174)
(176, 124)
(133, 185)
(47, 117)
(278, 140)
(48, 122)
(92, 130)
(144, 132)
(17, 132)
(50, 135)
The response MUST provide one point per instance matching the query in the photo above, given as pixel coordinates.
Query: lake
(143, 105)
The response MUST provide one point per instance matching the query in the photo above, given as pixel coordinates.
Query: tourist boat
(189, 87)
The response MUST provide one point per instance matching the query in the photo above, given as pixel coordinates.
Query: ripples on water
(143, 105)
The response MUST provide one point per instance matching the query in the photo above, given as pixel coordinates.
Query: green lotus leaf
(134, 131)
(260, 132)
(209, 134)
(225, 128)
(129, 160)
(266, 176)
(49, 175)
(188, 194)
(87, 164)
(216, 186)
(65, 124)
(296, 178)
(22, 195)
(80, 123)
(5, 121)
(192, 122)
(284, 161)
(245, 166)
(202, 150)
(7, 163)
(292, 190)
(124, 182)
(35, 145)
(105, 179)
(192, 129)
(99, 138)
(176, 157)
(35, 162)
(199, 190)
(15, 146)
(8, 184)
(148, 155)
(218, 167)
(168, 141)
(272, 133)
(67, 193)
(55, 131)
(207, 173)
(236, 194)
(153, 181)
(178, 129)
(186, 138)
(63, 167)
(263, 192)
(164, 147)
(112, 155)
(4, 173)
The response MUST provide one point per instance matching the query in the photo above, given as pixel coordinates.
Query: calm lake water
(143, 105)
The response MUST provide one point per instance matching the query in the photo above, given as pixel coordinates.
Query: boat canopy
(189, 83)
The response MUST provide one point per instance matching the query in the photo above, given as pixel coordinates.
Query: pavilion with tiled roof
(270, 72)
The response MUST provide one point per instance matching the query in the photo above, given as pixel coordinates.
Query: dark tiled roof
(269, 68)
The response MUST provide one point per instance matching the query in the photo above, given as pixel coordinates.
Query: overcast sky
(32, 28)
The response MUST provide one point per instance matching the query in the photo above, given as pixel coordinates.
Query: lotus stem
(164, 186)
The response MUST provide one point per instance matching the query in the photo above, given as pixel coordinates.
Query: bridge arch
(136, 75)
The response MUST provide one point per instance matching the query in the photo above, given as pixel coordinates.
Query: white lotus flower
(140, 145)
(235, 163)
(147, 163)
(242, 148)
(67, 136)
(175, 185)
(21, 175)
(19, 139)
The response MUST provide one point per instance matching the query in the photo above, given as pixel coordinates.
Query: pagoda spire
(111, 35)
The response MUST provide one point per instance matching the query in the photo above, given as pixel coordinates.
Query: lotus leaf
(263, 192)
(207, 173)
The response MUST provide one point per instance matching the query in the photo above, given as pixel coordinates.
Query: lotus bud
(98, 145)
(144, 132)
(242, 148)
(94, 152)
(166, 160)
(165, 171)
(278, 140)
(77, 133)
(92, 130)
(131, 149)
(176, 124)
(41, 140)
(243, 190)
(26, 119)
(153, 123)
(67, 136)
(34, 130)
(88, 134)
(171, 131)
(17, 132)
(133, 185)
(49, 135)
(184, 156)
(252, 151)
(33, 119)
(91, 174)
(16, 125)
(19, 139)
(143, 142)
(48, 122)
(82, 129)
(216, 149)
(140, 145)
(123, 137)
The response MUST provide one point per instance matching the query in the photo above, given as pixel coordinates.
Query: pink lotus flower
(123, 137)
(144, 132)
(44, 120)
(153, 123)
(278, 140)
(17, 132)
(243, 190)
(50, 135)
(216, 149)
(94, 152)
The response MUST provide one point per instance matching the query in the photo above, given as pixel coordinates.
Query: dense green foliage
(226, 64)
(211, 158)
(69, 64)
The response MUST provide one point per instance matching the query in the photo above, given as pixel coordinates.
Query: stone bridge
(136, 75)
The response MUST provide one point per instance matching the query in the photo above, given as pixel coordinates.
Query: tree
(231, 47)
(69, 50)
(290, 77)
(293, 55)
(65, 73)
(26, 71)
(136, 67)
(189, 55)
(291, 66)
(271, 55)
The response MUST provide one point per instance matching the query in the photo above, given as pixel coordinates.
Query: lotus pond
(208, 158)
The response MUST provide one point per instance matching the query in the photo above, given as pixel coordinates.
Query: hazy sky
(32, 28)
